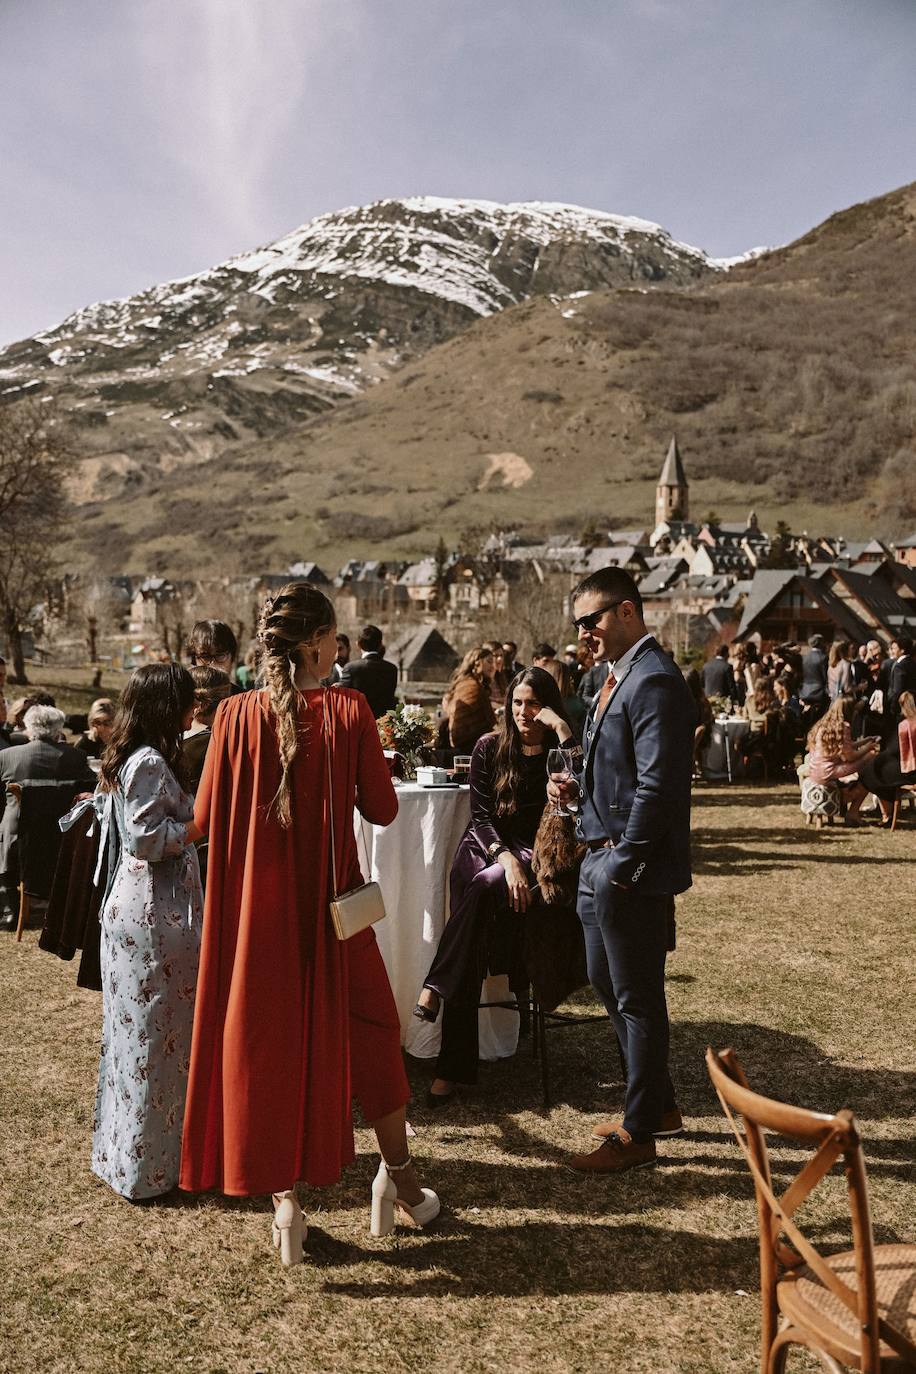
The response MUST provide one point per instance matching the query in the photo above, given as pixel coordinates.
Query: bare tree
(35, 458)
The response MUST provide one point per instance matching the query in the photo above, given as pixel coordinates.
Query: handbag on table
(362, 906)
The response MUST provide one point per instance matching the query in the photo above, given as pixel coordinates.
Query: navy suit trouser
(626, 942)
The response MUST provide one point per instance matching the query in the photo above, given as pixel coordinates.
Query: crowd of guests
(237, 1028)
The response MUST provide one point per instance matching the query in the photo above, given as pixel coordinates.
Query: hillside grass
(794, 946)
(788, 382)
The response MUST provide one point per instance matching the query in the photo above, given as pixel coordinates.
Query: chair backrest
(835, 1137)
(42, 804)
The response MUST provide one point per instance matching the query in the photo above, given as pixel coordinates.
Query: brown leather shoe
(672, 1124)
(615, 1154)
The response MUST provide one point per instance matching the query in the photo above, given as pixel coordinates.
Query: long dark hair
(153, 706)
(507, 763)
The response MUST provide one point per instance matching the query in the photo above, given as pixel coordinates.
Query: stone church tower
(671, 494)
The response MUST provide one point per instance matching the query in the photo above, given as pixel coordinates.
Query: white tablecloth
(411, 859)
(721, 758)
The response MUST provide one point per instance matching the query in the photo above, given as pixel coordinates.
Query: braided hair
(295, 615)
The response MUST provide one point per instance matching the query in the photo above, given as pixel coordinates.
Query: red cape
(269, 1090)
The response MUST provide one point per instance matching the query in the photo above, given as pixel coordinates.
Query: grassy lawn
(794, 946)
(71, 688)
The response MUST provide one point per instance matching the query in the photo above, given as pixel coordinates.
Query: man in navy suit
(634, 816)
(372, 674)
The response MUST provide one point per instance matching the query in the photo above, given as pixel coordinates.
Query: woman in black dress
(491, 875)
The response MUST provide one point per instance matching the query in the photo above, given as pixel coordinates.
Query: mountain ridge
(786, 377)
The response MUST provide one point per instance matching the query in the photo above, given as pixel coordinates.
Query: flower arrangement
(409, 730)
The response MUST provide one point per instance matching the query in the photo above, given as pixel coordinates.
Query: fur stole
(556, 858)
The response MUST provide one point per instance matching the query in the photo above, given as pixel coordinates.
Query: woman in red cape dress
(290, 1022)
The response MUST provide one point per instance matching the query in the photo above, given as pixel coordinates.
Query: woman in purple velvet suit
(491, 874)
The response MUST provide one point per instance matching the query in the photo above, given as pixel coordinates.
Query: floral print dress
(151, 923)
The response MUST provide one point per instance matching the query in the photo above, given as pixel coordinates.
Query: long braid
(294, 616)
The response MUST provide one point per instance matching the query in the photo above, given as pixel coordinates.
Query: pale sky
(142, 140)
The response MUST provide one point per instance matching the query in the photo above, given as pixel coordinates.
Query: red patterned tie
(605, 695)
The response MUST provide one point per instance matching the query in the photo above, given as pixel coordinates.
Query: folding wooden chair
(856, 1309)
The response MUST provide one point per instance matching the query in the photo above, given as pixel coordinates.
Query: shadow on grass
(481, 1261)
(716, 858)
(756, 797)
(779, 1064)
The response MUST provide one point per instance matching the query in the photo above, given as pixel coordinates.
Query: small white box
(429, 776)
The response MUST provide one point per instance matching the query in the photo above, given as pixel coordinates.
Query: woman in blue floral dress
(151, 920)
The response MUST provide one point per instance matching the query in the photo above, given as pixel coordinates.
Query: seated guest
(372, 674)
(213, 645)
(44, 757)
(833, 755)
(786, 696)
(491, 874)
(17, 714)
(895, 766)
(210, 688)
(773, 726)
(704, 718)
(468, 710)
(99, 724)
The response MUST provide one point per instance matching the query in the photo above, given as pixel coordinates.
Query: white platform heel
(385, 1199)
(288, 1228)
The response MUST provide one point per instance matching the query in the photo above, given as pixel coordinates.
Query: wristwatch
(495, 849)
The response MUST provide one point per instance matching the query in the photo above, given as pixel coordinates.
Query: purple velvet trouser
(482, 935)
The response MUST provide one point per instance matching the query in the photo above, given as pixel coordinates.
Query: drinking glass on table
(559, 771)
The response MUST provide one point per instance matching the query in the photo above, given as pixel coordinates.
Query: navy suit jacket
(376, 678)
(637, 774)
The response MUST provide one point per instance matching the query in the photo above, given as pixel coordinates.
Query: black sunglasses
(590, 622)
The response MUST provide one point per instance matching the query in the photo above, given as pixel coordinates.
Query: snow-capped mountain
(276, 335)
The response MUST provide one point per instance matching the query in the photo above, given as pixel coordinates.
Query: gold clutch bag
(362, 906)
(352, 911)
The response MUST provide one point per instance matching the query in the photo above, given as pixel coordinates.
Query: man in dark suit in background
(717, 675)
(372, 674)
(634, 816)
(813, 689)
(902, 678)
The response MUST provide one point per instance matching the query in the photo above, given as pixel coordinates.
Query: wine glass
(574, 764)
(559, 772)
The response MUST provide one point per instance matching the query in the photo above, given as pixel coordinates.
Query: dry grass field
(794, 946)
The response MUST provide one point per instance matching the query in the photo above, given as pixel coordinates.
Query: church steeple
(671, 494)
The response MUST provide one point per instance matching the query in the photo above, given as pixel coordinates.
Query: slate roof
(661, 577)
(878, 598)
(406, 652)
(767, 584)
(770, 583)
